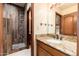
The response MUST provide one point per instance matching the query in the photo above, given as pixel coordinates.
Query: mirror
(57, 23)
(65, 19)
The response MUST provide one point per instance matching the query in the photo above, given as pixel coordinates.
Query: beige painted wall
(40, 13)
(39, 16)
(51, 21)
(43, 14)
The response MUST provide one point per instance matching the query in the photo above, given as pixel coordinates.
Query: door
(29, 28)
(68, 25)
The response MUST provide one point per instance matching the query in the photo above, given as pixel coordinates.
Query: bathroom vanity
(46, 50)
(46, 46)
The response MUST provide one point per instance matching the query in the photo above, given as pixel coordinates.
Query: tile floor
(25, 52)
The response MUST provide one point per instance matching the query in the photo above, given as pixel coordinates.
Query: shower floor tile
(25, 52)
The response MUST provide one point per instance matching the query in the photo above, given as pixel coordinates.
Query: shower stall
(14, 28)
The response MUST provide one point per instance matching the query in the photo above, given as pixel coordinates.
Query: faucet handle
(61, 38)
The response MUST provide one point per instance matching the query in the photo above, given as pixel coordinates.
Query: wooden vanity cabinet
(68, 24)
(46, 50)
(42, 52)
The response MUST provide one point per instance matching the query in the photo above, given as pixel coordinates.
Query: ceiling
(67, 5)
(20, 4)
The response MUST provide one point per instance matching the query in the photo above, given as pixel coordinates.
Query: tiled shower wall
(17, 17)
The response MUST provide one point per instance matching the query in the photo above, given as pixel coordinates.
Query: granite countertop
(70, 51)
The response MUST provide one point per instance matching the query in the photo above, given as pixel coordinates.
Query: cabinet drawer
(50, 50)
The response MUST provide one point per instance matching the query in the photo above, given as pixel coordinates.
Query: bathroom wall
(51, 20)
(39, 10)
(25, 19)
(40, 14)
(10, 15)
(21, 27)
(44, 19)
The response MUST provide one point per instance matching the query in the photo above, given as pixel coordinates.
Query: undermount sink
(54, 41)
(70, 46)
(67, 46)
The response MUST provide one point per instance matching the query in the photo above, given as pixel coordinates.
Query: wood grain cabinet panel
(42, 52)
(46, 50)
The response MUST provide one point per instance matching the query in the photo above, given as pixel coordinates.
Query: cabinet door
(68, 25)
(42, 52)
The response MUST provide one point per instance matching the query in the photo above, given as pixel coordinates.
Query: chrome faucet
(58, 37)
(61, 38)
